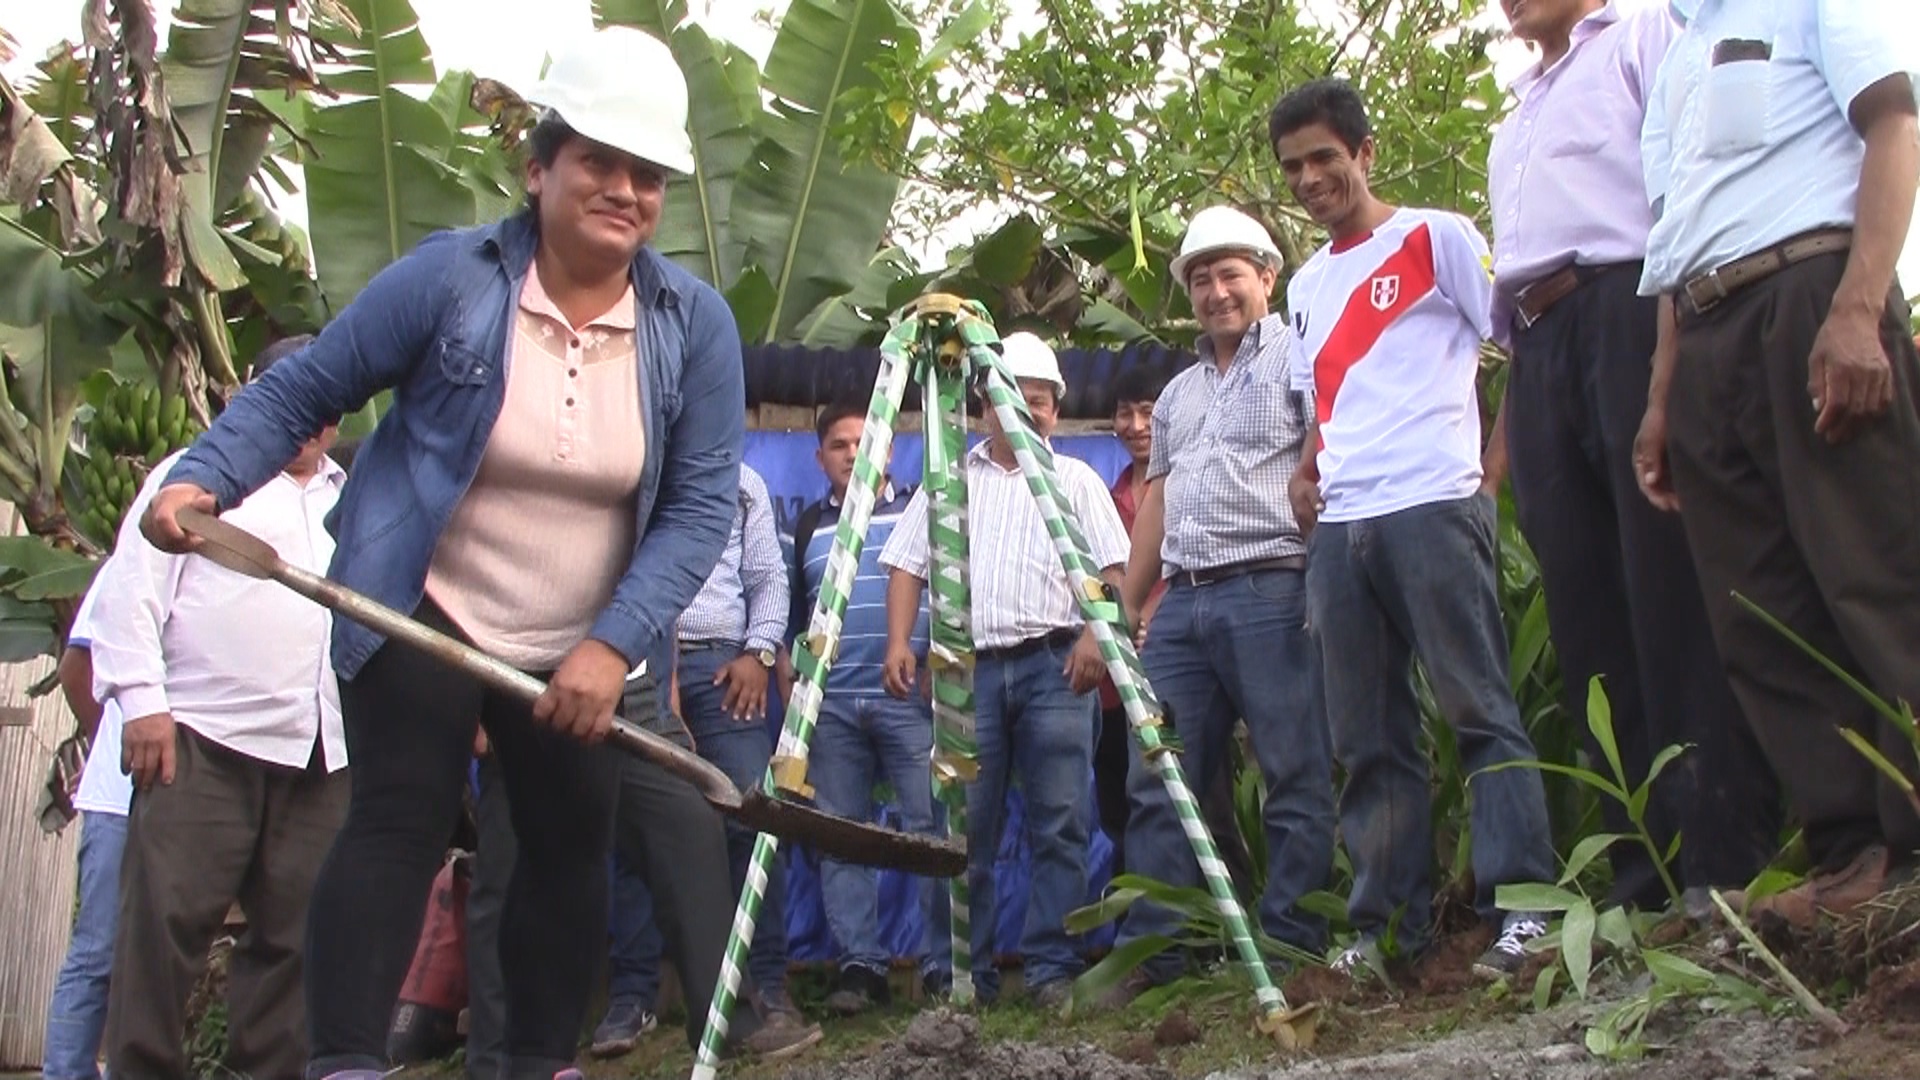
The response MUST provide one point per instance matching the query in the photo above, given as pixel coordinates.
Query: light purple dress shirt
(1564, 174)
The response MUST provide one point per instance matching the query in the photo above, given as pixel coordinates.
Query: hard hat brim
(674, 159)
(1188, 258)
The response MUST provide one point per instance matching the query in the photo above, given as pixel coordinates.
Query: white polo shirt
(1747, 137)
(104, 789)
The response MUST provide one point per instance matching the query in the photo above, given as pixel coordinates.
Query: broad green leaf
(801, 211)
(1103, 911)
(1616, 929)
(1543, 987)
(378, 182)
(970, 23)
(1676, 971)
(23, 639)
(1600, 723)
(1536, 896)
(1771, 882)
(1529, 641)
(28, 556)
(1006, 255)
(753, 301)
(1102, 321)
(846, 321)
(1584, 852)
(60, 584)
(1102, 977)
(1576, 945)
(1585, 776)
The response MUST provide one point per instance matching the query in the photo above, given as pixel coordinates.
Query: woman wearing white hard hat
(552, 482)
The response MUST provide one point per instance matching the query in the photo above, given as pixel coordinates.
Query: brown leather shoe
(1834, 893)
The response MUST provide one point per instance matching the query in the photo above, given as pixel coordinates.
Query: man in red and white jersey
(1400, 562)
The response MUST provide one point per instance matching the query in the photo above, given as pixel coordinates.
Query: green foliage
(1113, 120)
(777, 216)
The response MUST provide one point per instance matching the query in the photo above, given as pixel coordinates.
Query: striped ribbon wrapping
(944, 348)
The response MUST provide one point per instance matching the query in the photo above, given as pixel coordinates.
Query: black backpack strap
(804, 527)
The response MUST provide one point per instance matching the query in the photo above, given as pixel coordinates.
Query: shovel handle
(713, 784)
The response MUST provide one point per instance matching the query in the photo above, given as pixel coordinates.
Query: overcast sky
(494, 38)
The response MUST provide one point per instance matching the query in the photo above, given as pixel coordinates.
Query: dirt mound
(943, 1044)
(1893, 996)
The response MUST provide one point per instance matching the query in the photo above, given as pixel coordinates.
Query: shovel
(836, 837)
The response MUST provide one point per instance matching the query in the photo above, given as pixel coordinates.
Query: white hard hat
(620, 86)
(1028, 357)
(1222, 228)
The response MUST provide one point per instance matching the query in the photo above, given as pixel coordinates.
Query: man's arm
(76, 685)
(1650, 445)
(1144, 565)
(1493, 460)
(763, 574)
(1849, 375)
(763, 571)
(903, 611)
(135, 591)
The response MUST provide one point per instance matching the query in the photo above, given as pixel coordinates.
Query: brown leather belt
(1233, 570)
(1532, 302)
(1707, 291)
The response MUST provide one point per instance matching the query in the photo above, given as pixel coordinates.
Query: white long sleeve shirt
(244, 663)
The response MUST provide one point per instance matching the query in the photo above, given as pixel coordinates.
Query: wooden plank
(38, 872)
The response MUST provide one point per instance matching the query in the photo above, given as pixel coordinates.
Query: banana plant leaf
(801, 212)
(377, 182)
(723, 89)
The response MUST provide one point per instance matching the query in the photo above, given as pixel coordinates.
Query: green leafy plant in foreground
(1899, 715)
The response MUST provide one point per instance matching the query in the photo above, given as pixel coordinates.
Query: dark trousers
(1825, 538)
(493, 858)
(1112, 749)
(665, 832)
(410, 722)
(1622, 599)
(229, 827)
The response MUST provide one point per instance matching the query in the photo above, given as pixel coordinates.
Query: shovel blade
(851, 841)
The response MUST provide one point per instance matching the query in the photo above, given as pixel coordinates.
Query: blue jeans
(77, 1016)
(1383, 590)
(1237, 648)
(1029, 722)
(854, 738)
(741, 750)
(633, 962)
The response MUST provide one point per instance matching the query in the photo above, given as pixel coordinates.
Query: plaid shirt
(745, 598)
(1226, 446)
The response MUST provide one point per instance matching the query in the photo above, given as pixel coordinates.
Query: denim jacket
(435, 327)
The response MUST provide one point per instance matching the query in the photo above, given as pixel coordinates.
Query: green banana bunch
(132, 430)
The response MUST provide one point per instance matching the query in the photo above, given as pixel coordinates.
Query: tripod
(945, 343)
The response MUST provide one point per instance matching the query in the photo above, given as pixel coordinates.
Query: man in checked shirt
(1229, 638)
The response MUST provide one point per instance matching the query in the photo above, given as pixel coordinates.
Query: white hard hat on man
(621, 86)
(1027, 357)
(1220, 229)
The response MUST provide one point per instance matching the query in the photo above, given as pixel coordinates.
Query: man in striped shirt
(1229, 639)
(1035, 672)
(864, 733)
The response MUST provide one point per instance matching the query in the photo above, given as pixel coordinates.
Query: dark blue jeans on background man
(1217, 653)
(77, 1014)
(1030, 725)
(858, 739)
(1381, 591)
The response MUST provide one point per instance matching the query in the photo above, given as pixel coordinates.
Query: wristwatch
(765, 656)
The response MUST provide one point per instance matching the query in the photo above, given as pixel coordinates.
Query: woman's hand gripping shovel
(839, 838)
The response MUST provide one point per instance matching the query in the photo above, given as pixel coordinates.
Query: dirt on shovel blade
(853, 841)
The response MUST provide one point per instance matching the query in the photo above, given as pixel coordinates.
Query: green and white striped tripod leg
(812, 657)
(1110, 630)
(956, 752)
